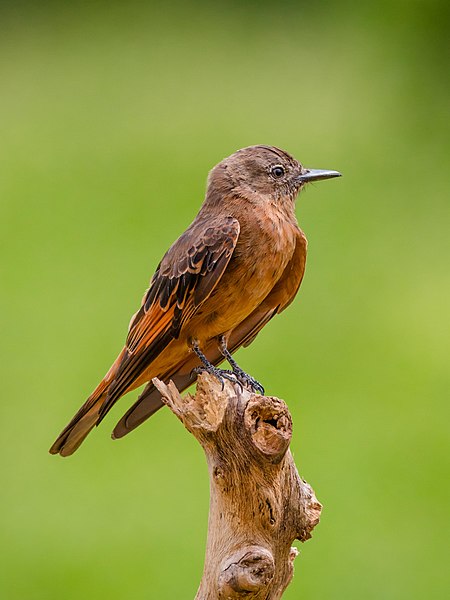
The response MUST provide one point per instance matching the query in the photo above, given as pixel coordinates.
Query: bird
(239, 263)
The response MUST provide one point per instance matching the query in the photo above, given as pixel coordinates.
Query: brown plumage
(237, 265)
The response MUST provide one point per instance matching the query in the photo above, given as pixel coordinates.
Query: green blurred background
(110, 117)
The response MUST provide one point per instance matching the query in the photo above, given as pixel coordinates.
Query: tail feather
(87, 417)
(75, 432)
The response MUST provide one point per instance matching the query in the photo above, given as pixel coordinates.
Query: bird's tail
(86, 418)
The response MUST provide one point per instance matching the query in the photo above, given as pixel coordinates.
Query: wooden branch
(259, 504)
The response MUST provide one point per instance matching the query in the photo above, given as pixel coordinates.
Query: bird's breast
(265, 246)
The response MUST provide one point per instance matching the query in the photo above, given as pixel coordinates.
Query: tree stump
(258, 502)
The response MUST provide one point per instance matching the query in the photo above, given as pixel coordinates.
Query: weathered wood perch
(259, 504)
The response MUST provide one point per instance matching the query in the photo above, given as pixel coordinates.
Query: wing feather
(183, 281)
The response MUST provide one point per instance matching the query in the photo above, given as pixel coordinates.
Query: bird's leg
(221, 374)
(243, 377)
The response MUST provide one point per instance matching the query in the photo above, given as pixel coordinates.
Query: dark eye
(277, 171)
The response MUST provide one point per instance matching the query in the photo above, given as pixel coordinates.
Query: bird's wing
(184, 279)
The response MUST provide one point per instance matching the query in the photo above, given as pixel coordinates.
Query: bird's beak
(317, 175)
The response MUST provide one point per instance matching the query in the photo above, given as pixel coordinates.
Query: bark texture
(258, 502)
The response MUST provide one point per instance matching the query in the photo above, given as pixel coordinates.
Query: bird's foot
(220, 374)
(247, 380)
(208, 367)
(243, 378)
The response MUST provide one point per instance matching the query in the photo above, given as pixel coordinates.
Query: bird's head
(259, 173)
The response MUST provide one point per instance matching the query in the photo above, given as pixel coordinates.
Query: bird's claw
(220, 374)
(243, 378)
(248, 381)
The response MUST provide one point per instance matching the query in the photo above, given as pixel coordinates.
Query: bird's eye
(277, 171)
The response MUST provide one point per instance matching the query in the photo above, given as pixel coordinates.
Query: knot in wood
(270, 425)
(246, 573)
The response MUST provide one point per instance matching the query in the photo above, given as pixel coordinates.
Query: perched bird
(238, 264)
